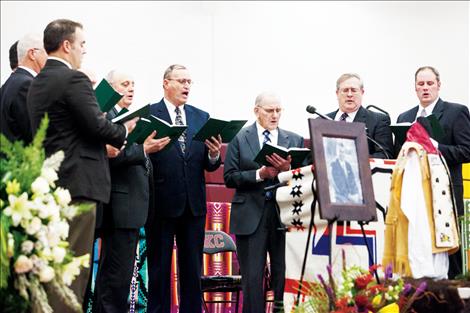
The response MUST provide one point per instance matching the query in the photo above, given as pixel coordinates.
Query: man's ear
(67, 46)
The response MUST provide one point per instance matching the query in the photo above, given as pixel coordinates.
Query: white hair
(262, 97)
(29, 41)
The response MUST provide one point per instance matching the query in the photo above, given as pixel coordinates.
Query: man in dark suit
(344, 181)
(349, 91)
(77, 127)
(127, 211)
(181, 198)
(253, 217)
(454, 145)
(15, 124)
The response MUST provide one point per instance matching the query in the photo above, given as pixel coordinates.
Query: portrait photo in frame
(342, 171)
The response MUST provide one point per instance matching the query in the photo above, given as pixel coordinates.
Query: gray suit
(253, 218)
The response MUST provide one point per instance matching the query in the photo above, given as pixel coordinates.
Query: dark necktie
(343, 117)
(266, 138)
(179, 121)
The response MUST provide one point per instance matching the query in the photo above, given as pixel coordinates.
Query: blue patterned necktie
(343, 117)
(266, 138)
(182, 138)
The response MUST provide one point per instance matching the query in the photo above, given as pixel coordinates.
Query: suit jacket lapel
(361, 115)
(283, 138)
(438, 109)
(251, 136)
(190, 131)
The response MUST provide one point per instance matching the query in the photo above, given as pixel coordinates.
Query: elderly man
(454, 145)
(130, 205)
(15, 124)
(180, 210)
(79, 128)
(349, 91)
(253, 217)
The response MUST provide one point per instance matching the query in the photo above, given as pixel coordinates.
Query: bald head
(123, 83)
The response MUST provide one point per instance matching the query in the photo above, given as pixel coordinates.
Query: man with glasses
(253, 216)
(349, 91)
(180, 208)
(15, 123)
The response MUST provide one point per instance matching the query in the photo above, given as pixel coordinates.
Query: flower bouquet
(34, 216)
(359, 292)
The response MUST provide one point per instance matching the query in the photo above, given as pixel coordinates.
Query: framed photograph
(342, 170)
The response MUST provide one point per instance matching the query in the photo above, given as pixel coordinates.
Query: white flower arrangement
(36, 225)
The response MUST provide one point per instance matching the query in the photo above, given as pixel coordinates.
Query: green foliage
(4, 261)
(22, 163)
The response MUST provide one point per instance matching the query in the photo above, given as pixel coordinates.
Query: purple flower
(406, 289)
(388, 271)
(421, 288)
(327, 288)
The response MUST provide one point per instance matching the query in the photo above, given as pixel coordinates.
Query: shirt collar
(350, 117)
(171, 107)
(29, 70)
(260, 129)
(428, 109)
(61, 60)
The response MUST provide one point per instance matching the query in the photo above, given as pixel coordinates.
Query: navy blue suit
(15, 124)
(180, 210)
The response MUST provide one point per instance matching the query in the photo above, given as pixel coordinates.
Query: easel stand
(369, 252)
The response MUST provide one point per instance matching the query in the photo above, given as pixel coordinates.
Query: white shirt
(29, 70)
(350, 117)
(428, 109)
(274, 134)
(171, 110)
(61, 60)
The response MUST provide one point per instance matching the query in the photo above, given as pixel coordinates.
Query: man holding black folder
(253, 217)
(180, 192)
(454, 144)
(131, 203)
(77, 127)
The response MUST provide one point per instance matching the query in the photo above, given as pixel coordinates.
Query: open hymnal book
(298, 155)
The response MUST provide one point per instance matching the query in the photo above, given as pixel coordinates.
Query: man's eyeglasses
(182, 81)
(353, 91)
(271, 111)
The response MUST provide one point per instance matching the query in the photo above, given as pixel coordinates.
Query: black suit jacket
(378, 128)
(344, 181)
(179, 179)
(455, 144)
(131, 198)
(15, 124)
(240, 173)
(76, 126)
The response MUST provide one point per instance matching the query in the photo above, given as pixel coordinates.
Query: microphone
(272, 187)
(313, 110)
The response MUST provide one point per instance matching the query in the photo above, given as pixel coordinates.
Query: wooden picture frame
(342, 171)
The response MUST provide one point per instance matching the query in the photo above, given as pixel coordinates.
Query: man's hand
(268, 172)
(130, 125)
(111, 151)
(279, 163)
(214, 145)
(152, 145)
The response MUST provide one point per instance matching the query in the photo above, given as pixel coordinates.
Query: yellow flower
(391, 308)
(18, 209)
(376, 301)
(13, 187)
